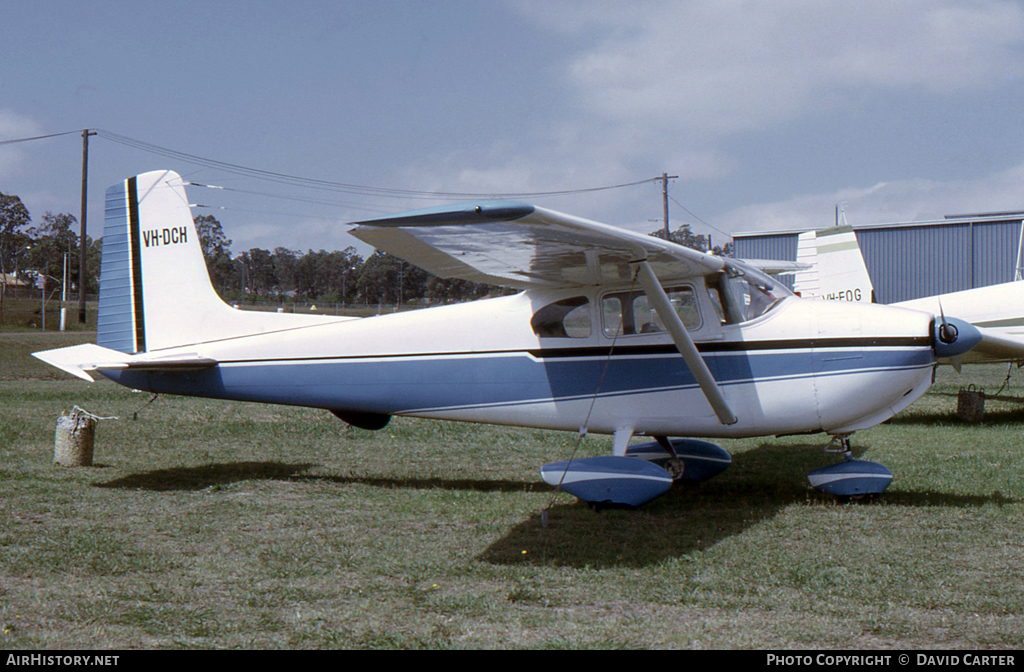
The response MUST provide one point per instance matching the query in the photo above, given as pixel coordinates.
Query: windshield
(741, 294)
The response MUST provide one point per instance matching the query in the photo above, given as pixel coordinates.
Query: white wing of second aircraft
(997, 311)
(836, 270)
(519, 245)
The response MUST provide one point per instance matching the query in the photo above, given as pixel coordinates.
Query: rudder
(835, 267)
(154, 286)
(155, 290)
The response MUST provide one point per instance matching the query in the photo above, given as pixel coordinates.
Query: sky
(770, 115)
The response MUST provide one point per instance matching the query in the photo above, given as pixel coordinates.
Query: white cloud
(661, 85)
(715, 67)
(14, 126)
(886, 202)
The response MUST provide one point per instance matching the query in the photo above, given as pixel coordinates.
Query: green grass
(24, 313)
(213, 524)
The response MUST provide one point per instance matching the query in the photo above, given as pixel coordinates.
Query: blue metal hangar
(910, 260)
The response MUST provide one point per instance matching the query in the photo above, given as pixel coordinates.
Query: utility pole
(81, 240)
(665, 177)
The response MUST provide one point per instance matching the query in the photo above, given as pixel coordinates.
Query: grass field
(212, 524)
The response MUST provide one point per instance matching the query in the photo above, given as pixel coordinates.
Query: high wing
(523, 246)
(527, 247)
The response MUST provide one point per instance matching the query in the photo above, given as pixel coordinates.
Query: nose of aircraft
(952, 337)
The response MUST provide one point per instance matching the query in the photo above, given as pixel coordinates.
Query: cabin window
(568, 318)
(629, 313)
(739, 296)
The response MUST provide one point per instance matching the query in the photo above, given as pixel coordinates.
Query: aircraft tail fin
(155, 290)
(835, 268)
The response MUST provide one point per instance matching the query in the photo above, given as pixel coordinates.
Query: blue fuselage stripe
(447, 381)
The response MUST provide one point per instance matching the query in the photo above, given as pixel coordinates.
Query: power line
(698, 218)
(314, 183)
(38, 137)
(299, 199)
(343, 187)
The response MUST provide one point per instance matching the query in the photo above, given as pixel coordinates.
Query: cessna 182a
(613, 332)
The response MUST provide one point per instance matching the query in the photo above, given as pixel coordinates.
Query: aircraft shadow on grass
(208, 475)
(690, 517)
(761, 483)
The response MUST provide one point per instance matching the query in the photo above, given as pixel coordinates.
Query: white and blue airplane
(613, 333)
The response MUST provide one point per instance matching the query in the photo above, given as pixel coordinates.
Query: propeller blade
(947, 332)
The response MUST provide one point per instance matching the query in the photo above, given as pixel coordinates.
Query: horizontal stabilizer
(777, 266)
(78, 360)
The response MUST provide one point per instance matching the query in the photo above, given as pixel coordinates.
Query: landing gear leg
(674, 466)
(851, 479)
(843, 441)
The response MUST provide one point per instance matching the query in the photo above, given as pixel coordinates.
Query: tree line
(45, 254)
(343, 276)
(35, 253)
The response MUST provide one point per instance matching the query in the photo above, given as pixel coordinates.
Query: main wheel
(675, 468)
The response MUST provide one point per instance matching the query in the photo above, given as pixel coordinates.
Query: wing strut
(652, 288)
